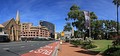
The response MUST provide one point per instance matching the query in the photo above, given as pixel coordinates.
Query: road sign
(62, 34)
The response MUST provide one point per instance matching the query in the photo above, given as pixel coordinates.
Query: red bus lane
(43, 51)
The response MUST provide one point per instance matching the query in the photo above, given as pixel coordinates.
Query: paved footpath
(67, 49)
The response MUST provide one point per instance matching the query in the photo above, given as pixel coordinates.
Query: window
(0, 29)
(37, 32)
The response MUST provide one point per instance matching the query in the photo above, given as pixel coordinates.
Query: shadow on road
(74, 46)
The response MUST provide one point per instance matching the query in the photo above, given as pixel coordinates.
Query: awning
(3, 34)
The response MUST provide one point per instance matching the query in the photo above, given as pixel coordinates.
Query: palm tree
(117, 3)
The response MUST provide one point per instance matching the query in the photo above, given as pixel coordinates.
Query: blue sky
(54, 11)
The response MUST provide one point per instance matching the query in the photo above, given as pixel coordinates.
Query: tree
(97, 29)
(74, 13)
(78, 16)
(67, 27)
(117, 3)
(58, 35)
(79, 19)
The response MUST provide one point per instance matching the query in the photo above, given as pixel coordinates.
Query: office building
(50, 26)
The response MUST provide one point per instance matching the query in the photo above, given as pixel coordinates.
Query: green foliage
(59, 36)
(74, 14)
(67, 27)
(114, 50)
(101, 44)
(76, 42)
(78, 16)
(78, 34)
(84, 44)
(74, 7)
(89, 46)
(111, 51)
(116, 42)
(116, 2)
(97, 29)
(93, 16)
(116, 53)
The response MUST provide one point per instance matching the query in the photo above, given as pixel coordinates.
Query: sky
(54, 11)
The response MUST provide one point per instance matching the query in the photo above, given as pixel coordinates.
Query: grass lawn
(102, 45)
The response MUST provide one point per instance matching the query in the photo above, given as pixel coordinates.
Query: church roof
(1, 25)
(7, 22)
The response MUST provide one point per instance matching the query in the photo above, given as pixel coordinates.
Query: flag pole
(89, 25)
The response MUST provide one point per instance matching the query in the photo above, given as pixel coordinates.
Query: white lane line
(22, 46)
(6, 48)
(31, 45)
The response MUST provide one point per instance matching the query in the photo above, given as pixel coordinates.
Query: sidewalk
(70, 50)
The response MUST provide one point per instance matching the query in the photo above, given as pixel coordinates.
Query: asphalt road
(18, 48)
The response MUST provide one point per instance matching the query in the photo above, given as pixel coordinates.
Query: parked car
(4, 39)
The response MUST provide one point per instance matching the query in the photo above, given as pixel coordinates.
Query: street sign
(62, 34)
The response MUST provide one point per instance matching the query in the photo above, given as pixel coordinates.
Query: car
(4, 39)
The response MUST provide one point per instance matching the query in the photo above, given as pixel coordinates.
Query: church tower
(18, 26)
(18, 18)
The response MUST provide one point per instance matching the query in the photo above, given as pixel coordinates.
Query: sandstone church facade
(12, 28)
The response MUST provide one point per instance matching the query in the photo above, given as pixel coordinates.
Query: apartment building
(30, 31)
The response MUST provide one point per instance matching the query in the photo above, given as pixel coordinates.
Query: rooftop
(1, 25)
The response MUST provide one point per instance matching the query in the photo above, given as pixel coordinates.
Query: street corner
(48, 50)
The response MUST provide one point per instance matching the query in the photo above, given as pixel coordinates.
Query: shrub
(116, 53)
(84, 44)
(116, 42)
(89, 46)
(110, 51)
(76, 42)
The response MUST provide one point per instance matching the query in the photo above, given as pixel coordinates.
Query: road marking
(6, 48)
(41, 47)
(22, 46)
(46, 50)
(43, 51)
(31, 51)
(31, 45)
